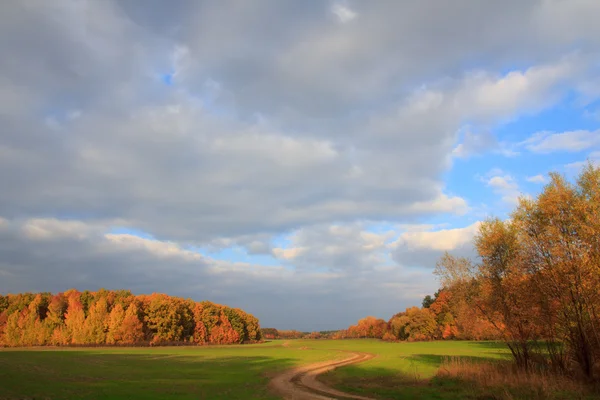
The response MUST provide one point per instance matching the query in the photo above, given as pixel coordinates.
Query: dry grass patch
(510, 382)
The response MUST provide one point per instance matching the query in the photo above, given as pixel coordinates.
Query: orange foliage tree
(539, 274)
(118, 317)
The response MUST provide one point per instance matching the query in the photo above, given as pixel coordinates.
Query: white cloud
(575, 167)
(288, 254)
(517, 92)
(424, 248)
(571, 141)
(443, 203)
(156, 247)
(537, 179)
(343, 12)
(502, 183)
(441, 240)
(506, 186)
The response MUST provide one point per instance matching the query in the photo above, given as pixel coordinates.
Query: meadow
(399, 370)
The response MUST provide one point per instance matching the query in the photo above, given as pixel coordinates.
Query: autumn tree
(459, 277)
(561, 236)
(539, 274)
(252, 331)
(223, 332)
(314, 335)
(504, 287)
(169, 319)
(290, 334)
(413, 324)
(12, 331)
(200, 330)
(119, 317)
(55, 321)
(237, 324)
(75, 320)
(115, 324)
(3, 303)
(270, 333)
(368, 327)
(96, 324)
(132, 328)
(447, 327)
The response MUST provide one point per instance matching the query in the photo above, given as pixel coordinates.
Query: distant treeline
(272, 333)
(119, 318)
(445, 316)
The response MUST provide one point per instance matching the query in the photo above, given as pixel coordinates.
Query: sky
(307, 161)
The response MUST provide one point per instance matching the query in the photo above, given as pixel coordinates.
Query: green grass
(227, 372)
(404, 370)
(400, 370)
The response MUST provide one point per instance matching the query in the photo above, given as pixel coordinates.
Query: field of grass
(400, 370)
(223, 372)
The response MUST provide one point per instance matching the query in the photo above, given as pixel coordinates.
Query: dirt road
(301, 383)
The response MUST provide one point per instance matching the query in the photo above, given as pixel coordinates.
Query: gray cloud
(103, 137)
(54, 255)
(336, 248)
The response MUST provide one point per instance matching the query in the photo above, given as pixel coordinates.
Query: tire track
(301, 383)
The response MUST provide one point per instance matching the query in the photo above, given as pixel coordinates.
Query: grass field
(400, 370)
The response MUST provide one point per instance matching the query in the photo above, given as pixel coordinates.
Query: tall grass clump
(507, 381)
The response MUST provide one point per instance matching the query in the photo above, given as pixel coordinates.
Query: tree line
(272, 333)
(534, 284)
(119, 318)
(443, 316)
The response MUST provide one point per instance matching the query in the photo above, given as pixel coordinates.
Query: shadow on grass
(391, 383)
(384, 383)
(493, 345)
(90, 375)
(435, 360)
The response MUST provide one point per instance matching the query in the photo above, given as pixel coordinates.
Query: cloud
(518, 91)
(441, 240)
(335, 248)
(473, 144)
(575, 167)
(571, 141)
(504, 185)
(537, 179)
(425, 247)
(190, 162)
(74, 253)
(343, 12)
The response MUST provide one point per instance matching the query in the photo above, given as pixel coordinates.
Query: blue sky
(282, 157)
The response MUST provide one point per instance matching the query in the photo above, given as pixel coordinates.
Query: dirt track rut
(301, 383)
